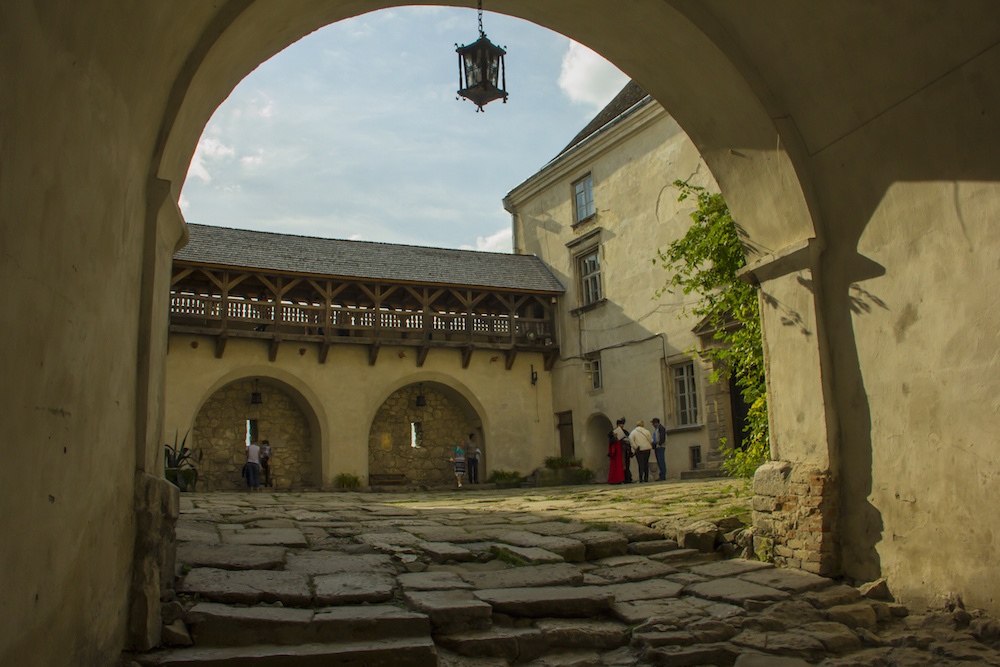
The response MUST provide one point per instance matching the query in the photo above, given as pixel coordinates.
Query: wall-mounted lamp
(421, 399)
(534, 375)
(531, 335)
(255, 398)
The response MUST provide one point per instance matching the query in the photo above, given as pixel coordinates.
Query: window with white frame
(685, 393)
(583, 199)
(589, 268)
(594, 366)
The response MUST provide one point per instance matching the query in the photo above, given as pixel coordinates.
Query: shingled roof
(367, 260)
(627, 97)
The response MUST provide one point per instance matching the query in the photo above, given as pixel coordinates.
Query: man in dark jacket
(660, 447)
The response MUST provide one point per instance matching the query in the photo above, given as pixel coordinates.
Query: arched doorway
(230, 417)
(414, 431)
(595, 446)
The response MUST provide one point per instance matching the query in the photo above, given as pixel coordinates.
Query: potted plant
(179, 464)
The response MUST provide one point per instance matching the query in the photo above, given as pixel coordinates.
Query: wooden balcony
(226, 303)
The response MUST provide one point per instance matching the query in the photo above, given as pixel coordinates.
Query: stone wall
(443, 422)
(794, 514)
(220, 432)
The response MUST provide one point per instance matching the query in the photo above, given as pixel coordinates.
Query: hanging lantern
(421, 399)
(481, 76)
(255, 397)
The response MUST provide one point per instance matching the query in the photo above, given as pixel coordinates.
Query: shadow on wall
(221, 430)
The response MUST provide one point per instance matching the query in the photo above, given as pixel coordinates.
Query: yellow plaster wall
(345, 393)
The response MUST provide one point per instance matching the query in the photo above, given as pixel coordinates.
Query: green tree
(704, 262)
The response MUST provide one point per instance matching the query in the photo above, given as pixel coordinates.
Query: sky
(356, 131)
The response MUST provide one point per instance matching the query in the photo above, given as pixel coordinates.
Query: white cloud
(501, 241)
(253, 160)
(208, 150)
(587, 78)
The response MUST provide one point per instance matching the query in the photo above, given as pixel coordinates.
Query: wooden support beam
(272, 353)
(466, 356)
(324, 348)
(220, 346)
(550, 359)
(511, 355)
(422, 354)
(373, 350)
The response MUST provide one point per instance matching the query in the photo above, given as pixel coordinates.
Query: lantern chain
(481, 33)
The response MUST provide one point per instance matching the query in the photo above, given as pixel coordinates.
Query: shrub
(558, 462)
(346, 480)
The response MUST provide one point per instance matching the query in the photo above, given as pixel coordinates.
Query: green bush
(346, 480)
(559, 462)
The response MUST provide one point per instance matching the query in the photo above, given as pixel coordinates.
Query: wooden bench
(394, 479)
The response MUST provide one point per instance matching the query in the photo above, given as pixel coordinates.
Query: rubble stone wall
(443, 423)
(220, 432)
(794, 515)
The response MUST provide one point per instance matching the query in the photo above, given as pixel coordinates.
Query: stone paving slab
(602, 544)
(557, 528)
(530, 555)
(443, 552)
(248, 587)
(549, 601)
(349, 588)
(289, 537)
(433, 581)
(794, 581)
(650, 547)
(570, 549)
(190, 531)
(511, 644)
(583, 633)
(735, 591)
(393, 652)
(440, 533)
(730, 568)
(625, 571)
(636, 532)
(646, 590)
(334, 562)
(451, 611)
(231, 556)
(552, 574)
(215, 624)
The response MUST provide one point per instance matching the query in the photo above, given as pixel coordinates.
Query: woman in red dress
(616, 472)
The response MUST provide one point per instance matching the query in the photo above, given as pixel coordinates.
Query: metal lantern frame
(482, 76)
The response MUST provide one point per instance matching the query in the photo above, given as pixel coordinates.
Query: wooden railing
(243, 316)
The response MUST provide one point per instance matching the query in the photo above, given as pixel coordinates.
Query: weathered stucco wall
(635, 332)
(884, 151)
(342, 398)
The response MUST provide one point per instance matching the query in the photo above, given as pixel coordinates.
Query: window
(596, 381)
(589, 266)
(696, 458)
(686, 394)
(252, 432)
(416, 434)
(583, 199)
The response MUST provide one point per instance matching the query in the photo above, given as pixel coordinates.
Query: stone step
(213, 624)
(401, 652)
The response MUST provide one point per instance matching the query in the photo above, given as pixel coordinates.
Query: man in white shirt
(642, 443)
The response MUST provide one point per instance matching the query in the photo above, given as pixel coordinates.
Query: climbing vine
(705, 262)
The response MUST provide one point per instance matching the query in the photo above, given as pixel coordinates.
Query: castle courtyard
(577, 575)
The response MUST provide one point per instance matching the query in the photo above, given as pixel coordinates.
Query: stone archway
(415, 440)
(220, 431)
(595, 446)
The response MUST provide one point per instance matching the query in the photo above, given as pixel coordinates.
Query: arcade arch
(414, 430)
(221, 427)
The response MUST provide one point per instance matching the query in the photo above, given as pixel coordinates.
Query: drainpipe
(514, 224)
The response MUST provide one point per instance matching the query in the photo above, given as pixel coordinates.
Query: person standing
(253, 466)
(472, 454)
(626, 448)
(616, 472)
(265, 461)
(458, 461)
(642, 442)
(660, 447)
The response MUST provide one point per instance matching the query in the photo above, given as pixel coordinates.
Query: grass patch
(507, 556)
(346, 480)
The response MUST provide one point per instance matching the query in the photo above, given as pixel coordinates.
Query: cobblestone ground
(570, 576)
